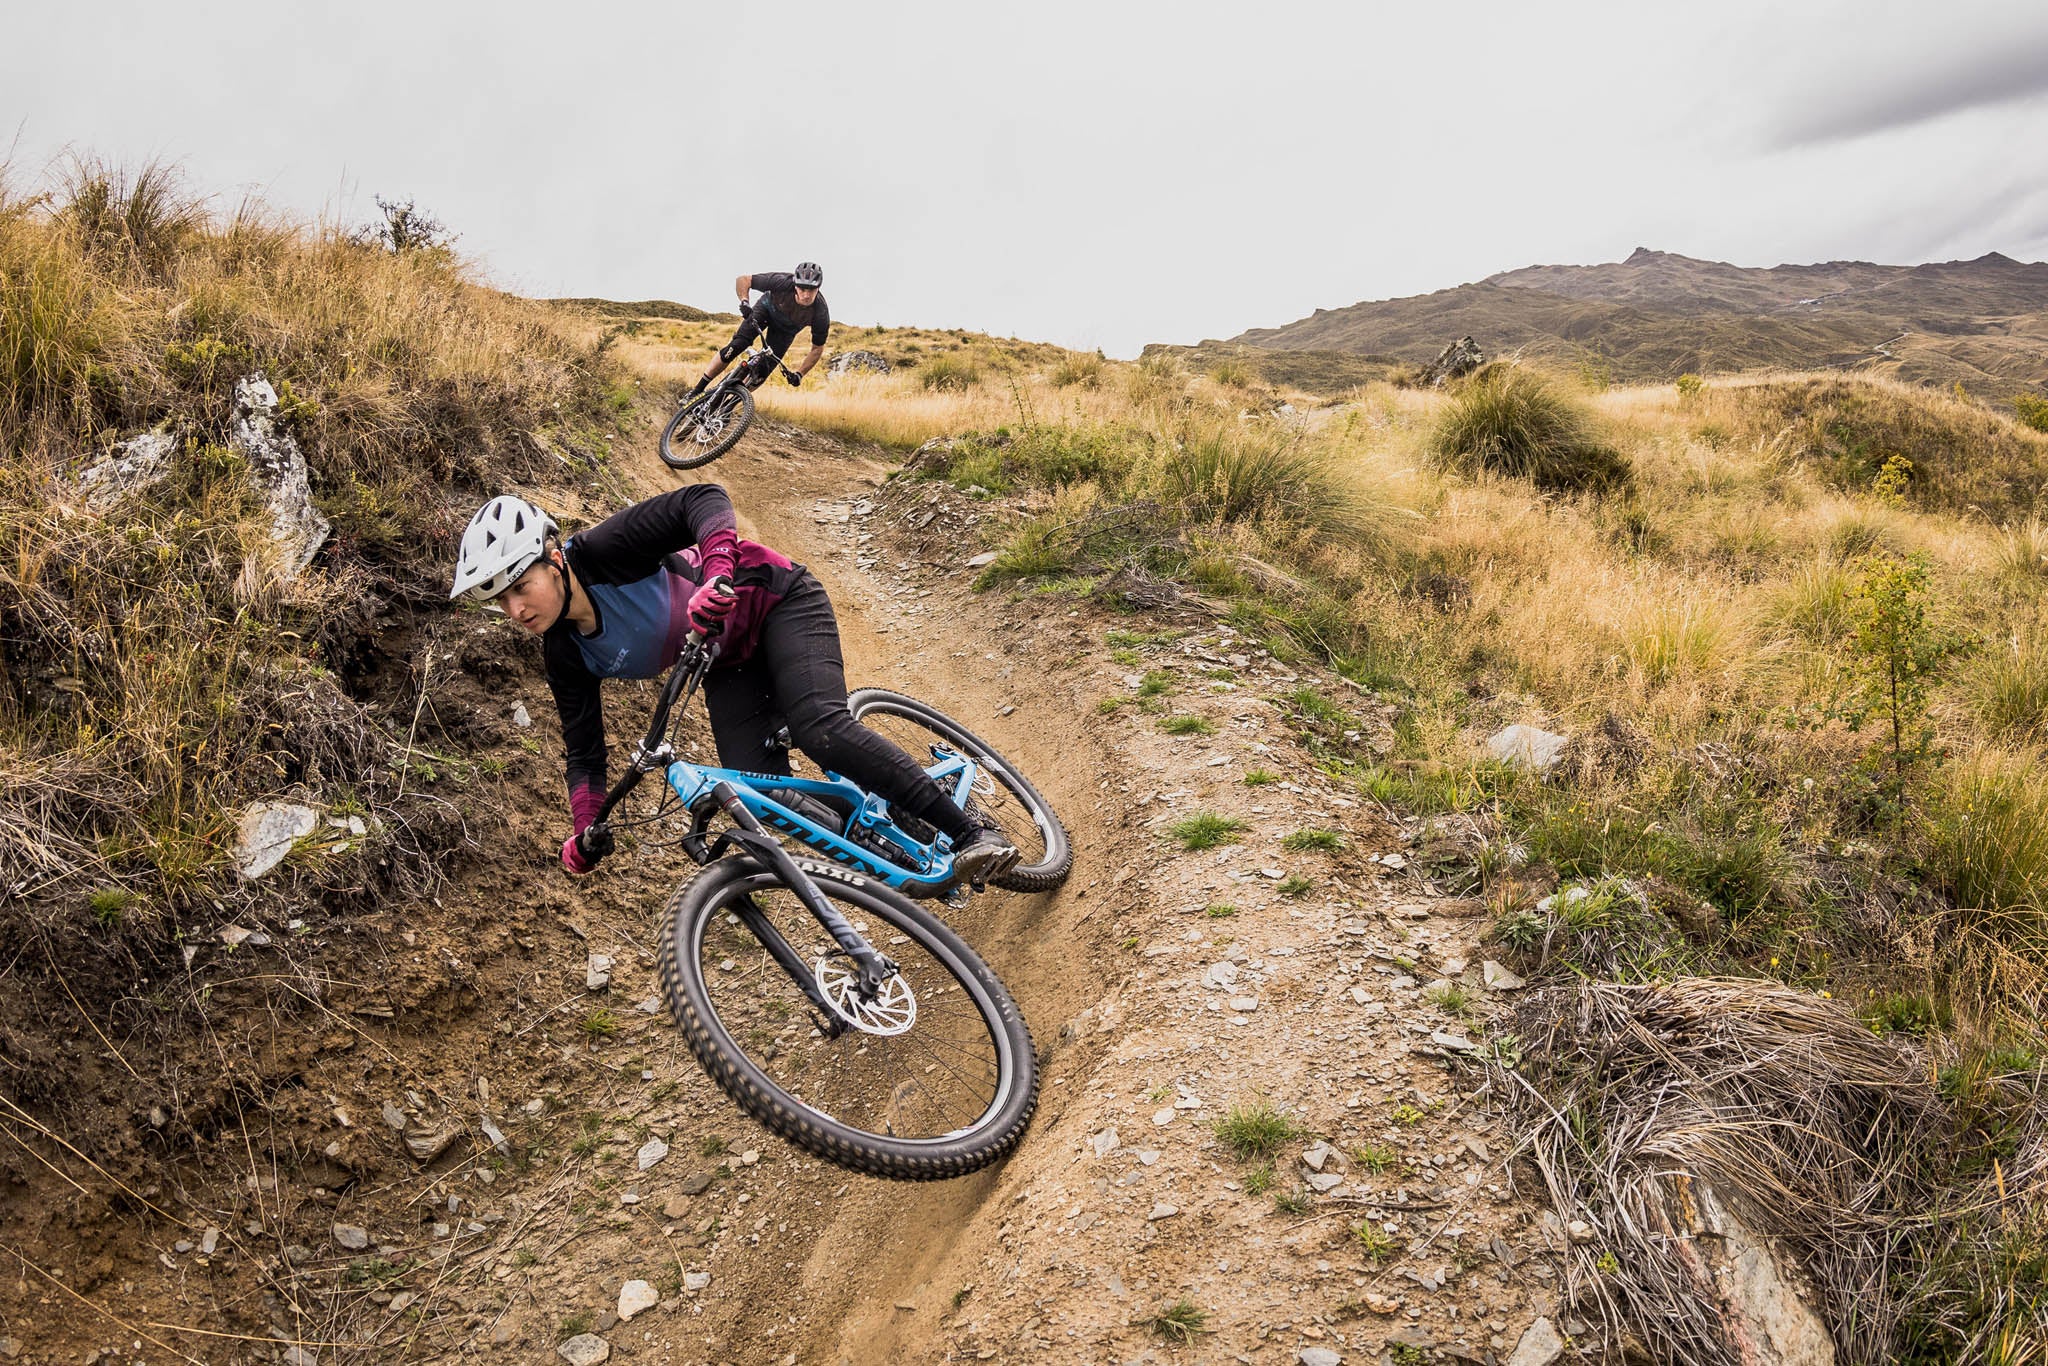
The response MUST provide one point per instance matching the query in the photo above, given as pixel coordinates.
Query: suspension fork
(875, 968)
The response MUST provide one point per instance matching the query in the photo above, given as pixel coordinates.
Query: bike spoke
(936, 1078)
(990, 800)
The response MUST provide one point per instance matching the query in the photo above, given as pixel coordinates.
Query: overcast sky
(1097, 174)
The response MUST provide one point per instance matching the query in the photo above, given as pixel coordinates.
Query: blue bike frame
(921, 868)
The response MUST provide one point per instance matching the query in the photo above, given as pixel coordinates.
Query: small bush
(2011, 687)
(1294, 1202)
(949, 373)
(1375, 1242)
(1255, 1130)
(1260, 777)
(1221, 911)
(1206, 830)
(1295, 887)
(1179, 1322)
(1508, 420)
(1323, 841)
(1689, 386)
(1233, 374)
(1187, 725)
(1078, 367)
(1988, 847)
(1227, 473)
(2031, 410)
(2021, 551)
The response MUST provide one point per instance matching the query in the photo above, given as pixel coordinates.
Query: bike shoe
(987, 854)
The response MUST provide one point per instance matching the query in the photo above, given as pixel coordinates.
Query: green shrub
(1323, 841)
(1187, 725)
(1508, 420)
(1689, 386)
(2032, 410)
(1255, 1130)
(1223, 474)
(949, 373)
(1206, 830)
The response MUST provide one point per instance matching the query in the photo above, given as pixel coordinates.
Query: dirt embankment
(459, 1156)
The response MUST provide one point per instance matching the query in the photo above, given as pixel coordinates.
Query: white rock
(1580, 1231)
(635, 1296)
(986, 557)
(597, 972)
(394, 1116)
(651, 1152)
(585, 1349)
(1498, 978)
(209, 1240)
(134, 464)
(267, 832)
(1452, 1041)
(1317, 1154)
(693, 1281)
(750, 1157)
(1220, 975)
(1163, 1117)
(1319, 1356)
(299, 1356)
(1105, 1142)
(1244, 1003)
(1540, 1345)
(1527, 747)
(519, 716)
(1162, 1210)
(1325, 1181)
(354, 1237)
(277, 467)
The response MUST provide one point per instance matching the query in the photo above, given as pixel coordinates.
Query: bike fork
(875, 968)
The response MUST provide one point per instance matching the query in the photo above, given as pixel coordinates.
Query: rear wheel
(701, 432)
(939, 1080)
(1003, 798)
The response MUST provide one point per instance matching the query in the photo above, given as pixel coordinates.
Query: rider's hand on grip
(746, 311)
(580, 853)
(710, 605)
(793, 377)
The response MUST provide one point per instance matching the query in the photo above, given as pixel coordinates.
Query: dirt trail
(467, 1149)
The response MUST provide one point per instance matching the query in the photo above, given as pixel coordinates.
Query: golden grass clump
(1904, 1179)
(1506, 419)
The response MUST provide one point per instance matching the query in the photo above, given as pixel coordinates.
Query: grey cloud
(2016, 69)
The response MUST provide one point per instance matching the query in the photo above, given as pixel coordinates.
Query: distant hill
(643, 308)
(1657, 315)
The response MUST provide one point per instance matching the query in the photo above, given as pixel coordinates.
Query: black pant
(779, 338)
(796, 677)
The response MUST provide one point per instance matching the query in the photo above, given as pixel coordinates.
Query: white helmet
(503, 540)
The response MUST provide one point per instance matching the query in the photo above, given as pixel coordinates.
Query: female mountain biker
(790, 301)
(620, 599)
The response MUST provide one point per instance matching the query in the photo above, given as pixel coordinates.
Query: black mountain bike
(709, 425)
(830, 1006)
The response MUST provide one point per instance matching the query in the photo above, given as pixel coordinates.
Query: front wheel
(1002, 796)
(701, 432)
(940, 1080)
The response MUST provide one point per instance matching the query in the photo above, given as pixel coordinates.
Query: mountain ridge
(1982, 322)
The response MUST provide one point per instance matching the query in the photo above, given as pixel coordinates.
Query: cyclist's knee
(823, 733)
(731, 349)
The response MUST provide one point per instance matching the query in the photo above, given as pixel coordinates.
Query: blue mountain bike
(813, 990)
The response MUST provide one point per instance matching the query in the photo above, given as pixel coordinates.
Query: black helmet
(808, 275)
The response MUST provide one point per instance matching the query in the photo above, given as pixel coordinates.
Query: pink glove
(710, 605)
(580, 853)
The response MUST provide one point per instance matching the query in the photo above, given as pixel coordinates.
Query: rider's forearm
(744, 285)
(817, 353)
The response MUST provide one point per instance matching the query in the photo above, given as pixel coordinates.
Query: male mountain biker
(620, 599)
(790, 301)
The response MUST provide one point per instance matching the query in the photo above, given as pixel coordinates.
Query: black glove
(793, 377)
(746, 311)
